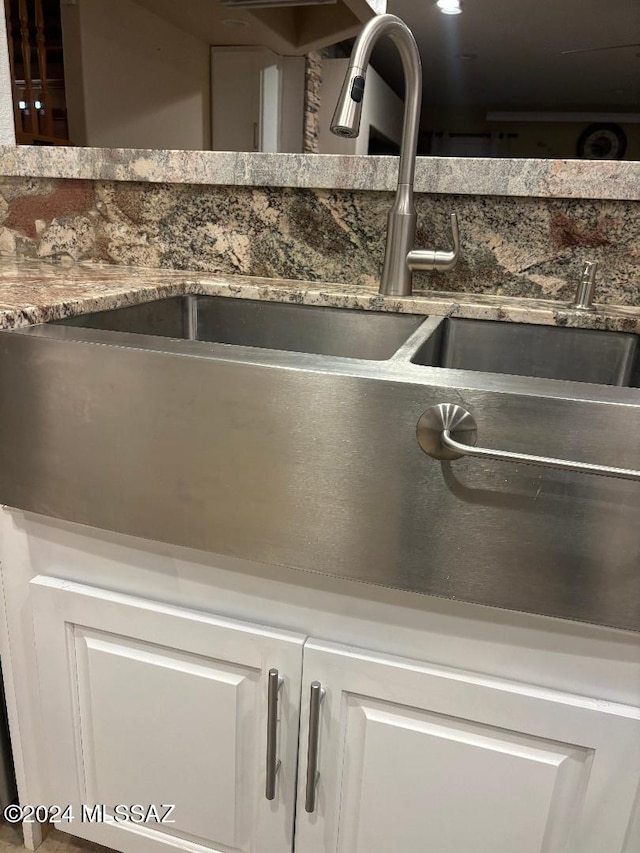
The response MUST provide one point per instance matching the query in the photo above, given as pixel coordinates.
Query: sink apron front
(320, 470)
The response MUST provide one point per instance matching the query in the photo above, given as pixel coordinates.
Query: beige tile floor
(55, 842)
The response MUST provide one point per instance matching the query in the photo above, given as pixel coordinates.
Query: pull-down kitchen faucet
(400, 258)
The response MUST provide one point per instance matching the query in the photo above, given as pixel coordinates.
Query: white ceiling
(519, 46)
(289, 31)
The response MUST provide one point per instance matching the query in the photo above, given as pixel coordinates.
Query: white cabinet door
(415, 758)
(151, 704)
(246, 88)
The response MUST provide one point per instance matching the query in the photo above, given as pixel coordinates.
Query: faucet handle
(455, 235)
(430, 259)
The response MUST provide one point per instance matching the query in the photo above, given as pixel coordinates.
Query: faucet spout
(346, 119)
(396, 276)
(399, 258)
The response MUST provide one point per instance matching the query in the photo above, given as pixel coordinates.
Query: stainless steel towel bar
(447, 431)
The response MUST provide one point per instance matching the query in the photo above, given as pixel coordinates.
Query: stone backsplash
(511, 246)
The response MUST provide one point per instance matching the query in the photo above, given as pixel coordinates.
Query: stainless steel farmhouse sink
(305, 437)
(552, 352)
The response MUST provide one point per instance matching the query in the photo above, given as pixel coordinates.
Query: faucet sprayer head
(346, 119)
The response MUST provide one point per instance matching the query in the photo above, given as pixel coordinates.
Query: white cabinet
(413, 757)
(150, 704)
(257, 100)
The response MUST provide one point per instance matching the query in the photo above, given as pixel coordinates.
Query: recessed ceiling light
(449, 7)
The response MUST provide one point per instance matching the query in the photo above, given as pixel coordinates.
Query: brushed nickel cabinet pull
(273, 762)
(315, 700)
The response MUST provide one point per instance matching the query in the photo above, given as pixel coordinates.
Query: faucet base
(396, 279)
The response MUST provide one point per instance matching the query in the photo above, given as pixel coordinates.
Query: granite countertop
(521, 177)
(38, 292)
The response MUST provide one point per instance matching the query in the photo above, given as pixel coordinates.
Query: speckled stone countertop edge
(522, 177)
(34, 292)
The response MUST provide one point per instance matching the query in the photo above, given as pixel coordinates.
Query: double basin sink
(549, 352)
(287, 434)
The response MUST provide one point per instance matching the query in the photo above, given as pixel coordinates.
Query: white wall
(144, 83)
(7, 134)
(382, 110)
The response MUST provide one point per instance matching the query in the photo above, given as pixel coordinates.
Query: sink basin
(544, 352)
(270, 325)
